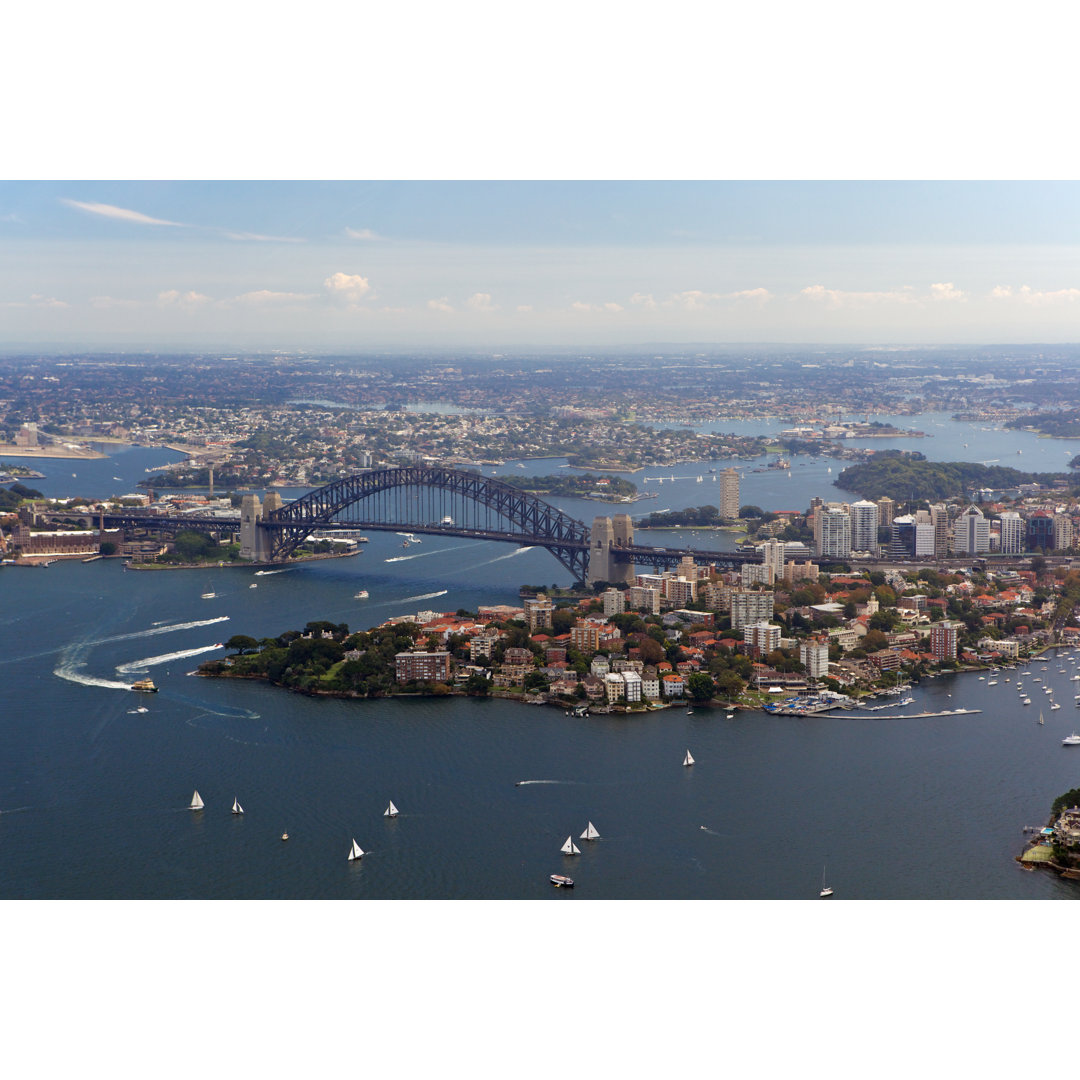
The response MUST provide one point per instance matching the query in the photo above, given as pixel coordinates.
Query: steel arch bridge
(435, 500)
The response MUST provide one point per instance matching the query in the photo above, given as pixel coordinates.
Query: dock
(918, 715)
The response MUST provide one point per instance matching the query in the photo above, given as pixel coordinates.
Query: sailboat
(1041, 720)
(196, 802)
(570, 848)
(391, 810)
(688, 760)
(355, 851)
(590, 832)
(236, 807)
(826, 890)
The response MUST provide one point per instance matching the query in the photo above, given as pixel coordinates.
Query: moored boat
(1071, 740)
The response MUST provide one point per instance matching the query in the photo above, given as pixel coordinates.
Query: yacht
(1071, 740)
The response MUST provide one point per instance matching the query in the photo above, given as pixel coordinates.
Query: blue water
(93, 794)
(898, 808)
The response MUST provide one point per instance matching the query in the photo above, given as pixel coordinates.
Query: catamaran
(570, 848)
(236, 807)
(391, 810)
(355, 851)
(590, 832)
(196, 802)
(688, 760)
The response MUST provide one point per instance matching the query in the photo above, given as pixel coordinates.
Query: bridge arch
(437, 499)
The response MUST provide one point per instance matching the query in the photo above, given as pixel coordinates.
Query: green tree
(700, 686)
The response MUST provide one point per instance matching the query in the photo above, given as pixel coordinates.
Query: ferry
(561, 880)
(145, 686)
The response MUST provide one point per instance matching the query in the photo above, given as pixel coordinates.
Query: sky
(356, 265)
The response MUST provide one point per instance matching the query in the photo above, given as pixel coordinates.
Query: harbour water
(93, 793)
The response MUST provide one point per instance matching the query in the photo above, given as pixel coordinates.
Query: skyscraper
(971, 534)
(729, 494)
(833, 531)
(864, 526)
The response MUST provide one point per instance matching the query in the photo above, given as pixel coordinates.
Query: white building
(1012, 533)
(772, 556)
(814, 656)
(614, 602)
(832, 531)
(971, 533)
(644, 598)
(750, 606)
(763, 636)
(864, 526)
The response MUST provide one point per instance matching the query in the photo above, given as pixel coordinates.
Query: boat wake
(425, 554)
(70, 672)
(512, 554)
(164, 658)
(522, 783)
(422, 596)
(165, 628)
(16, 810)
(270, 573)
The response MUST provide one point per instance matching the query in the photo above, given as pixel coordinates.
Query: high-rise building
(832, 531)
(1040, 532)
(939, 515)
(886, 510)
(538, 612)
(814, 657)
(943, 640)
(864, 526)
(750, 606)
(1063, 532)
(761, 637)
(772, 554)
(729, 494)
(971, 533)
(614, 601)
(1012, 533)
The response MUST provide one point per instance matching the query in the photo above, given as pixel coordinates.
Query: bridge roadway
(637, 553)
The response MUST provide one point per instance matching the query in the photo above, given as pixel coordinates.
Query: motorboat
(561, 881)
(361, 595)
(1071, 740)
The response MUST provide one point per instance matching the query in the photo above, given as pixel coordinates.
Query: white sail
(236, 807)
(688, 760)
(391, 810)
(196, 802)
(355, 852)
(590, 832)
(570, 848)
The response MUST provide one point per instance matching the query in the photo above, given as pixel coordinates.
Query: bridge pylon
(608, 533)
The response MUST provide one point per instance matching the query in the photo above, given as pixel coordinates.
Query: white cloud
(361, 234)
(579, 305)
(36, 301)
(265, 239)
(1027, 295)
(758, 296)
(442, 304)
(104, 302)
(348, 289)
(118, 213)
(481, 301)
(260, 297)
(946, 290)
(840, 298)
(644, 300)
(175, 298)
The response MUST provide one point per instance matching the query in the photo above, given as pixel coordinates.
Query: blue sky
(326, 266)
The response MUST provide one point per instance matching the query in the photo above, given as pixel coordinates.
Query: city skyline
(356, 266)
